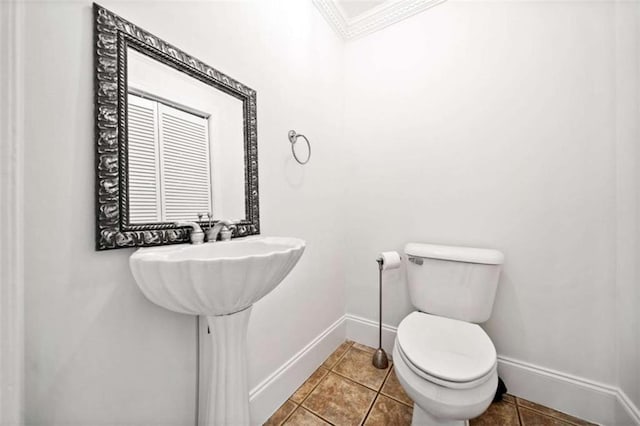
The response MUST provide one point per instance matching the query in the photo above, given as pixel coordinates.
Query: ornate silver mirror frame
(112, 36)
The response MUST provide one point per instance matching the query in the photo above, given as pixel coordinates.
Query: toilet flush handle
(416, 260)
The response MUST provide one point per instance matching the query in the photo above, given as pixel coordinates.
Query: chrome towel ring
(293, 138)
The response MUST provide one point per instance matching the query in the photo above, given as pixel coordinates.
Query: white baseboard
(583, 398)
(577, 396)
(628, 412)
(365, 332)
(272, 392)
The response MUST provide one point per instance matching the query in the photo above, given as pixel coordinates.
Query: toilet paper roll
(390, 260)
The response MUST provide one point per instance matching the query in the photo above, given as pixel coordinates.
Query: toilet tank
(453, 282)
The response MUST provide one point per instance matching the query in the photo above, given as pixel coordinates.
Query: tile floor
(347, 390)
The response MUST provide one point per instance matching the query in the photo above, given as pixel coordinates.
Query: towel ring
(293, 138)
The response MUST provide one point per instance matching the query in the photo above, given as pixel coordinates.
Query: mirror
(175, 139)
(185, 146)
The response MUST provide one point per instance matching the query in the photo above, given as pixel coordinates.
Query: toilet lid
(448, 349)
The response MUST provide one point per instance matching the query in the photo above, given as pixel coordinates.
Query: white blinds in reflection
(184, 145)
(144, 184)
(169, 172)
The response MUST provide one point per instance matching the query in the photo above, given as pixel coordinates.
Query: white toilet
(444, 361)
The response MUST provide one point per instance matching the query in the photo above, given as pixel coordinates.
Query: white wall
(11, 218)
(499, 124)
(97, 351)
(627, 61)
(493, 124)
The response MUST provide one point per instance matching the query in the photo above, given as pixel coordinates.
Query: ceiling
(352, 8)
(356, 18)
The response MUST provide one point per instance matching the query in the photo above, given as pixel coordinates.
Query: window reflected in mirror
(185, 146)
(169, 176)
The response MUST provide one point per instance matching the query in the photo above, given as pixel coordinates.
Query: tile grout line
(515, 400)
(311, 411)
(549, 416)
(366, 416)
(355, 381)
(396, 400)
(313, 388)
(290, 414)
(311, 391)
(375, 398)
(340, 358)
(364, 419)
(318, 416)
(391, 396)
(570, 422)
(329, 370)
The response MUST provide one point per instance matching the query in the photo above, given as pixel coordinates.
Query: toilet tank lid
(458, 254)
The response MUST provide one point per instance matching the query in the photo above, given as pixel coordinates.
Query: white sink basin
(214, 278)
(221, 280)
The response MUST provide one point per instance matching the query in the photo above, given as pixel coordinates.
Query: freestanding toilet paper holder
(380, 359)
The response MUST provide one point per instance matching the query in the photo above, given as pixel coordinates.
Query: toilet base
(442, 406)
(422, 418)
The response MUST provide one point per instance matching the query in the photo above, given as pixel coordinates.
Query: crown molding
(11, 214)
(374, 20)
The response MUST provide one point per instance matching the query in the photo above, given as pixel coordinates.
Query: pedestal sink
(221, 280)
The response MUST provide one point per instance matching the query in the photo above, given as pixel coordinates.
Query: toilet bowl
(444, 361)
(451, 377)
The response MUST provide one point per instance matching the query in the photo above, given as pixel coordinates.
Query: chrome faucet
(222, 226)
(196, 235)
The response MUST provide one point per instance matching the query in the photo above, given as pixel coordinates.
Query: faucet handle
(221, 225)
(197, 235)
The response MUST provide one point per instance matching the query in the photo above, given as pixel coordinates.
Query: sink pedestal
(212, 280)
(228, 394)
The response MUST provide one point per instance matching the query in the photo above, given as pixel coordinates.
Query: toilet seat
(435, 380)
(443, 405)
(451, 353)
